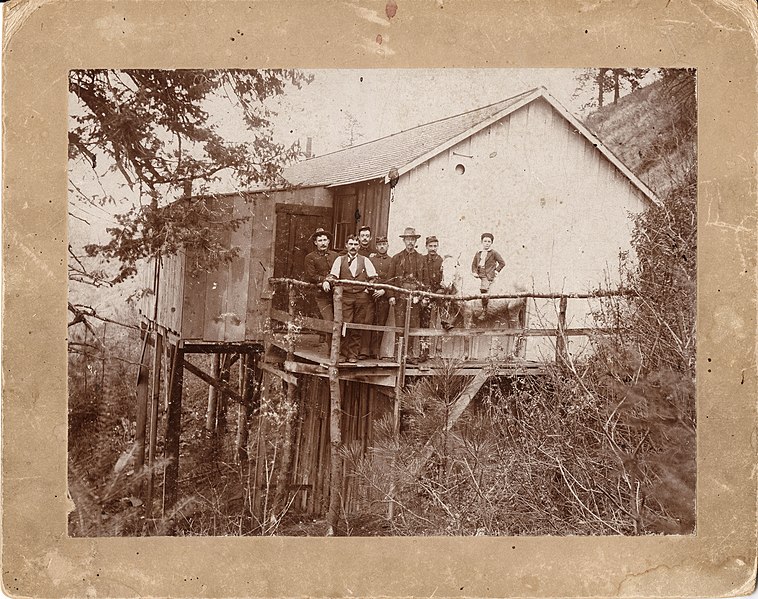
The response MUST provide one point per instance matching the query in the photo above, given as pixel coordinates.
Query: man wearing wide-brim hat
(317, 266)
(407, 271)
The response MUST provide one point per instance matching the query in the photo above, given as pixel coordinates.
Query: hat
(410, 232)
(382, 239)
(321, 231)
(490, 235)
(432, 239)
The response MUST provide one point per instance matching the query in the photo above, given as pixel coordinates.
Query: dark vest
(347, 275)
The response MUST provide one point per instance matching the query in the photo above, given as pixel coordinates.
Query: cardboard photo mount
(43, 41)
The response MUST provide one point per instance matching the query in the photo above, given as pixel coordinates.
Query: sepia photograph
(382, 302)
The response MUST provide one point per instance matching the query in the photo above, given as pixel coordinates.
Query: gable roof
(408, 149)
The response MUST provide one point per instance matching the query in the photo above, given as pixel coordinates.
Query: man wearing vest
(407, 271)
(383, 263)
(357, 304)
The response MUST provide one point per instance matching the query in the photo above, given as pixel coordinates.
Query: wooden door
(295, 224)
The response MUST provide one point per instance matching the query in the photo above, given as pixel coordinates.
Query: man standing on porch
(357, 305)
(317, 265)
(364, 238)
(432, 282)
(383, 264)
(407, 271)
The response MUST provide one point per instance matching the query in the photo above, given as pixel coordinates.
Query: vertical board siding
(362, 405)
(148, 297)
(193, 312)
(239, 274)
(215, 301)
(261, 228)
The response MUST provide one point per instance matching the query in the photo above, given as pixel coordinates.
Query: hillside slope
(651, 132)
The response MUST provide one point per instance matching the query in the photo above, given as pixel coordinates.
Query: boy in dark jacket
(485, 266)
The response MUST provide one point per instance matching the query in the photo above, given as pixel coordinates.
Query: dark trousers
(357, 308)
(325, 307)
(425, 319)
(381, 314)
(400, 306)
(326, 310)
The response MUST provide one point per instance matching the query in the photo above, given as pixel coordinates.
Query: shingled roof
(407, 149)
(374, 159)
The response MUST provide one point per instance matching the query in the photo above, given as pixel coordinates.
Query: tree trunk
(600, 82)
(335, 412)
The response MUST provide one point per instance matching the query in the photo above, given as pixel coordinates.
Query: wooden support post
(283, 478)
(334, 352)
(246, 382)
(155, 397)
(464, 399)
(335, 438)
(223, 399)
(210, 415)
(143, 382)
(173, 430)
(335, 417)
(399, 385)
(220, 386)
(561, 354)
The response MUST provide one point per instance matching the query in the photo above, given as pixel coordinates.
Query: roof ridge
(452, 116)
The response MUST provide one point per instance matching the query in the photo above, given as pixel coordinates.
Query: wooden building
(557, 201)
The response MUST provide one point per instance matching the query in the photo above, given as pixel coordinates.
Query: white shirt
(483, 257)
(370, 270)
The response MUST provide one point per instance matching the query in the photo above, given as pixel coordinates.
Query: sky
(340, 106)
(379, 102)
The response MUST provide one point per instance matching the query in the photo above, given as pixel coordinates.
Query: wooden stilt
(246, 383)
(399, 385)
(561, 353)
(223, 400)
(173, 429)
(335, 415)
(155, 394)
(210, 415)
(283, 478)
(143, 382)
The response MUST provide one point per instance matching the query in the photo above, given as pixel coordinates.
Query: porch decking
(312, 356)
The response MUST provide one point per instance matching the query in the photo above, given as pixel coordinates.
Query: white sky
(385, 101)
(377, 102)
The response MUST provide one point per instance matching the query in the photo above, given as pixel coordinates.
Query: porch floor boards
(317, 353)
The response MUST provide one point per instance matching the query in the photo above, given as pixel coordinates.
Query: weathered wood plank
(289, 378)
(239, 274)
(220, 385)
(193, 305)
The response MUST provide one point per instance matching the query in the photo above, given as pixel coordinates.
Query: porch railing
(295, 322)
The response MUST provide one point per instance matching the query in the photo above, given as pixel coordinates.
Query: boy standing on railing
(357, 305)
(317, 265)
(485, 266)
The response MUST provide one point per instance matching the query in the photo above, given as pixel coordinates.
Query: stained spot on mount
(390, 9)
(379, 39)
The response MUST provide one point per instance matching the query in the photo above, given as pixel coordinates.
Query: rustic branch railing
(429, 294)
(559, 333)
